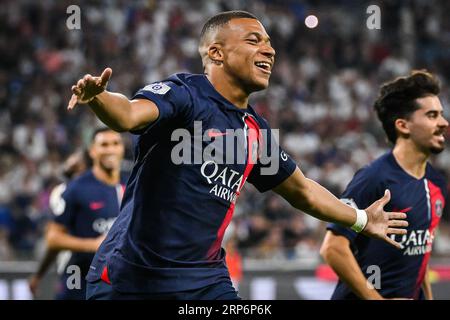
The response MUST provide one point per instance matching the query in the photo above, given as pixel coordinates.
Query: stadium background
(321, 93)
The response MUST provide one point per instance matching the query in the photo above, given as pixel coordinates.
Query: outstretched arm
(310, 197)
(113, 109)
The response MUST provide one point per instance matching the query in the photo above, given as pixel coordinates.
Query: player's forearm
(346, 267)
(322, 204)
(114, 110)
(64, 241)
(46, 262)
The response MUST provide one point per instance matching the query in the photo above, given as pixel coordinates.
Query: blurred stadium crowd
(321, 94)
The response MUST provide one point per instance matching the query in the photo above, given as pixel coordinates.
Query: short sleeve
(63, 205)
(274, 165)
(360, 193)
(172, 99)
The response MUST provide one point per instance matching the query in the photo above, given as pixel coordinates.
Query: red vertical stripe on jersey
(254, 134)
(435, 197)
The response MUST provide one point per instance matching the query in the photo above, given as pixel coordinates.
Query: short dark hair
(99, 130)
(223, 18)
(397, 98)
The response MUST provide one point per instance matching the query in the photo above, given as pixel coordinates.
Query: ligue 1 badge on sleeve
(158, 88)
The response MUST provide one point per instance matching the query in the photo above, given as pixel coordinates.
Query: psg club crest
(438, 207)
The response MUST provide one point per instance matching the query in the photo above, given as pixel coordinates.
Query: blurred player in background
(412, 117)
(87, 208)
(75, 165)
(166, 243)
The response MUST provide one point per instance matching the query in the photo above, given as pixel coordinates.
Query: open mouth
(440, 136)
(264, 66)
(109, 158)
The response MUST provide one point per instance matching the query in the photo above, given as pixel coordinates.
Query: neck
(410, 158)
(111, 177)
(228, 88)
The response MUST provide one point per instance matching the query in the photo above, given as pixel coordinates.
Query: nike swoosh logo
(403, 210)
(96, 205)
(213, 134)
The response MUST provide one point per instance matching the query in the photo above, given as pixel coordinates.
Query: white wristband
(361, 221)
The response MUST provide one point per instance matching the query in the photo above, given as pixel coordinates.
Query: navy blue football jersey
(402, 271)
(87, 207)
(168, 235)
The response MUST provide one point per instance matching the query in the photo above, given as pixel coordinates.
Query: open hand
(88, 87)
(381, 223)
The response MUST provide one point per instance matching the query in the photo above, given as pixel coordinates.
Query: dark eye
(252, 40)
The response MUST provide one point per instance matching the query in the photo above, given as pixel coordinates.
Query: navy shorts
(100, 290)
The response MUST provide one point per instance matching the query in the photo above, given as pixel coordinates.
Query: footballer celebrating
(166, 241)
(412, 117)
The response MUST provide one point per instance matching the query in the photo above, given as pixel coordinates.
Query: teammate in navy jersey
(86, 210)
(412, 117)
(166, 242)
(73, 166)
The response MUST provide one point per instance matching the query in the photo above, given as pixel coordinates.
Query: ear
(402, 126)
(215, 53)
(92, 152)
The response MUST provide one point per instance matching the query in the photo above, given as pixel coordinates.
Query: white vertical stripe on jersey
(427, 192)
(119, 192)
(246, 136)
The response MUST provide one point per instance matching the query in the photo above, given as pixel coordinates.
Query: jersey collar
(214, 94)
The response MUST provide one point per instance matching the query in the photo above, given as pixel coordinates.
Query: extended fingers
(81, 83)
(104, 78)
(82, 90)
(397, 215)
(76, 90)
(386, 197)
(396, 231)
(72, 102)
(88, 77)
(397, 223)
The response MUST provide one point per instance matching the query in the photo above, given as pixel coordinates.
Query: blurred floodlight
(311, 21)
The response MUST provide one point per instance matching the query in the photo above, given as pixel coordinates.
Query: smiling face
(426, 127)
(242, 49)
(107, 150)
